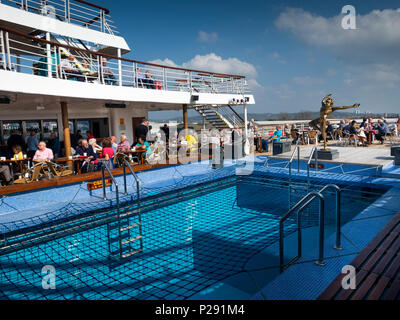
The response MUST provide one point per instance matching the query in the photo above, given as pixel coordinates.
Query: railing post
(135, 75)
(104, 182)
(49, 61)
(320, 261)
(119, 67)
(3, 51)
(7, 42)
(298, 159)
(68, 13)
(165, 79)
(338, 245)
(124, 171)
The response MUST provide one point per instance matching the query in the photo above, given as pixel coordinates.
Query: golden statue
(326, 109)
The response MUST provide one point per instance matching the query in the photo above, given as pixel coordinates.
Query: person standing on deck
(141, 130)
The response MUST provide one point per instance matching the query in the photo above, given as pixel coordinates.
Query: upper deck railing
(24, 53)
(78, 12)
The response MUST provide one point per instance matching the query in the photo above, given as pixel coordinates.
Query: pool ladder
(300, 206)
(125, 236)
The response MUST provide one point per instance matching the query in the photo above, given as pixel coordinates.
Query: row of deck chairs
(45, 169)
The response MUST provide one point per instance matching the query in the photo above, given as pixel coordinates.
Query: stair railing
(103, 169)
(300, 206)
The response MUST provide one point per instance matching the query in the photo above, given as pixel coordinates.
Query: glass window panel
(9, 127)
(83, 125)
(49, 126)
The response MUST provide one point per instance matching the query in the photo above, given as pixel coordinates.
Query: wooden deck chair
(62, 172)
(313, 136)
(34, 174)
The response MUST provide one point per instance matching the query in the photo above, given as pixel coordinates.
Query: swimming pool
(193, 238)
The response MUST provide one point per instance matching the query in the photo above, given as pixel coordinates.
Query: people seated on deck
(95, 146)
(143, 145)
(17, 150)
(191, 142)
(6, 175)
(287, 130)
(43, 153)
(109, 77)
(329, 130)
(139, 76)
(71, 69)
(89, 74)
(124, 145)
(108, 152)
(357, 133)
(383, 130)
(86, 150)
(276, 137)
(16, 139)
(148, 81)
(114, 143)
(54, 144)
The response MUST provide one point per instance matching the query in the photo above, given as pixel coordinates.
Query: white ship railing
(28, 54)
(78, 12)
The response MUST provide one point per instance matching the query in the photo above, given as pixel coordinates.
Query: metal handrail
(103, 168)
(314, 151)
(313, 195)
(127, 164)
(296, 149)
(120, 71)
(320, 260)
(338, 245)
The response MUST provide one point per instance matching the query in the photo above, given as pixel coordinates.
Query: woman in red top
(108, 151)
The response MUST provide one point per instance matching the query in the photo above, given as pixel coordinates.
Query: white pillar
(245, 122)
(119, 67)
(49, 60)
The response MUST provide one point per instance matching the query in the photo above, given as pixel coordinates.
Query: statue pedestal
(331, 154)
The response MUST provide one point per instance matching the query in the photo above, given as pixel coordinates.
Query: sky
(292, 52)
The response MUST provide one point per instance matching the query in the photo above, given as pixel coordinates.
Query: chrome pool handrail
(313, 195)
(296, 149)
(103, 168)
(310, 197)
(314, 153)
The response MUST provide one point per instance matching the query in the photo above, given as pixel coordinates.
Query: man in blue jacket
(383, 130)
(276, 137)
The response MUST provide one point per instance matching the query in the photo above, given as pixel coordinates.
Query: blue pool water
(190, 243)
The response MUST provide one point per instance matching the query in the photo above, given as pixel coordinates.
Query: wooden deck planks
(377, 267)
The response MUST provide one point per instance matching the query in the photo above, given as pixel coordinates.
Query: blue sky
(293, 52)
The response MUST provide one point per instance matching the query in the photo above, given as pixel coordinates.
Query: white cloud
(377, 36)
(212, 62)
(166, 61)
(276, 56)
(206, 37)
